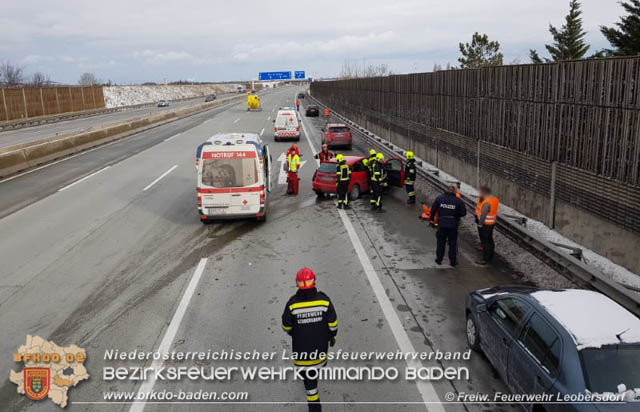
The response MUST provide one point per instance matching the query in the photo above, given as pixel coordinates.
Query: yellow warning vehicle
(253, 102)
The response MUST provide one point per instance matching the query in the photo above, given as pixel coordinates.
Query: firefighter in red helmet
(311, 321)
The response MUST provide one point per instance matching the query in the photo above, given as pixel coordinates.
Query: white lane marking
(261, 132)
(268, 118)
(83, 179)
(282, 177)
(159, 178)
(426, 389)
(170, 334)
(175, 135)
(236, 121)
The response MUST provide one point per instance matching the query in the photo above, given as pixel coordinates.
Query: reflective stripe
(310, 309)
(313, 398)
(333, 324)
(314, 362)
(312, 391)
(287, 328)
(309, 304)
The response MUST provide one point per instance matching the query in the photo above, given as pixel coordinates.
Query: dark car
(300, 95)
(210, 98)
(163, 103)
(562, 342)
(324, 179)
(312, 111)
(337, 135)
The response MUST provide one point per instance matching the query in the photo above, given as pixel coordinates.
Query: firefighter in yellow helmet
(343, 178)
(377, 179)
(410, 177)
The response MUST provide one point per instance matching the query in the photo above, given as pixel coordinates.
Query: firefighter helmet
(409, 154)
(372, 152)
(380, 156)
(306, 279)
(339, 157)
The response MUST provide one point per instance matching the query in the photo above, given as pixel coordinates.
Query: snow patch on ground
(599, 321)
(118, 96)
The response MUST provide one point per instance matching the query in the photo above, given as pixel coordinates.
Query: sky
(136, 41)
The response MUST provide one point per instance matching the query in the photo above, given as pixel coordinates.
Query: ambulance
(234, 171)
(286, 125)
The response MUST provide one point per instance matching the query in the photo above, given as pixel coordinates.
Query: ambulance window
(229, 172)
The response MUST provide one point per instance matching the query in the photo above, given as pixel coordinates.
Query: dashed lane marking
(83, 179)
(159, 178)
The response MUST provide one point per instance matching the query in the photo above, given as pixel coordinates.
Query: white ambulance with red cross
(286, 125)
(233, 179)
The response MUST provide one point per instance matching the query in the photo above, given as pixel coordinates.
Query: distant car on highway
(300, 95)
(312, 111)
(324, 179)
(564, 342)
(163, 103)
(337, 135)
(210, 97)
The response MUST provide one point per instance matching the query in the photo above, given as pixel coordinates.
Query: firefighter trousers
(376, 195)
(411, 192)
(343, 193)
(313, 396)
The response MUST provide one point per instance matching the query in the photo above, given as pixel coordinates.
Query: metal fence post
(42, 102)
(57, 102)
(552, 196)
(24, 99)
(4, 101)
(478, 166)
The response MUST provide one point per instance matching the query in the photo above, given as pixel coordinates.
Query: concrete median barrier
(27, 155)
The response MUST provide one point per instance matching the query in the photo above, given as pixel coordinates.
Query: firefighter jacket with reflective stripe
(294, 162)
(372, 161)
(410, 172)
(377, 172)
(311, 320)
(343, 174)
(487, 211)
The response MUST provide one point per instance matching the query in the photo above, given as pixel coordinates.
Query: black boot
(347, 207)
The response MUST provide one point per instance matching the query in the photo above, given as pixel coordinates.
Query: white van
(286, 125)
(233, 179)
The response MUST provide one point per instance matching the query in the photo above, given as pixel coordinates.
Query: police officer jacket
(311, 320)
(450, 209)
(410, 172)
(343, 173)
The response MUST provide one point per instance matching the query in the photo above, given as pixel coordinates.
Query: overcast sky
(210, 40)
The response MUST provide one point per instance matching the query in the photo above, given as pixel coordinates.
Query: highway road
(31, 133)
(105, 250)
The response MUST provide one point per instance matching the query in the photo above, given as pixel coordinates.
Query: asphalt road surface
(105, 250)
(31, 133)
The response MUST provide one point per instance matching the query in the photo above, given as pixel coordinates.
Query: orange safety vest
(327, 112)
(492, 216)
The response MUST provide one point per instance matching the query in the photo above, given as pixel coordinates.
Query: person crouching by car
(325, 155)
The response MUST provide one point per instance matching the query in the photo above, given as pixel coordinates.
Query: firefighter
(377, 177)
(410, 178)
(384, 183)
(325, 155)
(450, 210)
(486, 217)
(293, 161)
(310, 319)
(369, 164)
(343, 177)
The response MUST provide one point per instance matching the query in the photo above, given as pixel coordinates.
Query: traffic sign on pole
(274, 75)
(299, 74)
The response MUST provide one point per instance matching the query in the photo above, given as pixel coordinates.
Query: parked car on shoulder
(312, 111)
(210, 97)
(337, 135)
(163, 103)
(324, 179)
(300, 95)
(569, 342)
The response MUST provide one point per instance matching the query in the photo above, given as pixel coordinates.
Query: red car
(324, 179)
(337, 134)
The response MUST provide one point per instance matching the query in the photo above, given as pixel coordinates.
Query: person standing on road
(297, 105)
(311, 320)
(450, 210)
(343, 178)
(384, 183)
(370, 163)
(293, 162)
(486, 218)
(410, 178)
(325, 155)
(327, 113)
(377, 177)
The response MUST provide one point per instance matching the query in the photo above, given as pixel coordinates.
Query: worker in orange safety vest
(486, 217)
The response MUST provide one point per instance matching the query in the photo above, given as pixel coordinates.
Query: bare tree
(11, 74)
(38, 79)
(88, 79)
(352, 69)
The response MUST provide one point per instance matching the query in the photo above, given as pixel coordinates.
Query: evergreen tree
(480, 52)
(568, 41)
(625, 39)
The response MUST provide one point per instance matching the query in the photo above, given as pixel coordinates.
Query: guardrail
(565, 264)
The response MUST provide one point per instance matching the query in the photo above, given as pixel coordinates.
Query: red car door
(395, 172)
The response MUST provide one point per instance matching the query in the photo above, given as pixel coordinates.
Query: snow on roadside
(118, 96)
(614, 271)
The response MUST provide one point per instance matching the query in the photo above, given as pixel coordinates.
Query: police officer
(343, 177)
(410, 178)
(450, 209)
(377, 180)
(310, 319)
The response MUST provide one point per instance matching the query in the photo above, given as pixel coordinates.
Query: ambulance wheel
(262, 218)
(205, 221)
(355, 192)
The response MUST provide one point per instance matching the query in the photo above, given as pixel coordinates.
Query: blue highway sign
(274, 75)
(299, 74)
